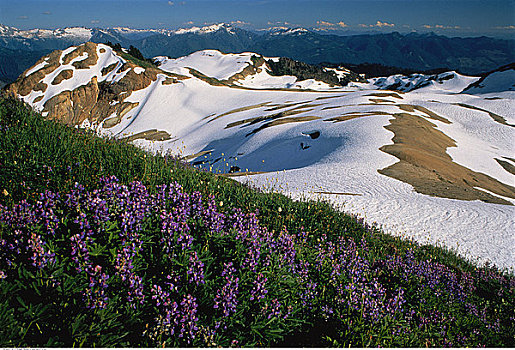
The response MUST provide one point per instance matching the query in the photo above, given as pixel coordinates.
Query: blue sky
(450, 17)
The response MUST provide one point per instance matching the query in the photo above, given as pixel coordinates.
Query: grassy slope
(80, 156)
(37, 154)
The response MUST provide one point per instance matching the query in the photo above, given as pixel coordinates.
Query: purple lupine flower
(226, 298)
(259, 290)
(195, 269)
(272, 310)
(188, 320)
(40, 258)
(95, 294)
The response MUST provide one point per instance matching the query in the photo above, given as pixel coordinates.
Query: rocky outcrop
(73, 107)
(304, 71)
(97, 101)
(63, 75)
(90, 49)
(31, 82)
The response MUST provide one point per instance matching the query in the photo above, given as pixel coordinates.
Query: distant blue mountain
(419, 52)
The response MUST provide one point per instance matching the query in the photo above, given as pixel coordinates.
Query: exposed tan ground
(385, 94)
(353, 115)
(286, 105)
(63, 75)
(170, 81)
(339, 193)
(493, 115)
(196, 155)
(380, 100)
(507, 166)
(282, 121)
(424, 163)
(150, 135)
(327, 97)
(241, 109)
(40, 87)
(109, 68)
(93, 101)
(27, 83)
(120, 110)
(332, 107)
(252, 68)
(430, 114)
(271, 117)
(89, 48)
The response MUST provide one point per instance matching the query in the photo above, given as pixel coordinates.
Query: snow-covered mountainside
(251, 70)
(433, 164)
(502, 79)
(77, 33)
(449, 81)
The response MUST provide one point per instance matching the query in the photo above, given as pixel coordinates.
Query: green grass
(38, 155)
(80, 156)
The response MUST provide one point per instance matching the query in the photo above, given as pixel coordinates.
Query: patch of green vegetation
(348, 284)
(133, 55)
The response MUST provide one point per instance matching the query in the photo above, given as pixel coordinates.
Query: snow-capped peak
(81, 33)
(287, 31)
(207, 29)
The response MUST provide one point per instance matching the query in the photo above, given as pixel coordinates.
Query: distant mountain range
(19, 49)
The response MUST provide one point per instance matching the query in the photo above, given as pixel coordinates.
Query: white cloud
(279, 23)
(23, 17)
(378, 24)
(326, 26)
(512, 27)
(239, 23)
(171, 3)
(440, 26)
(95, 21)
(383, 24)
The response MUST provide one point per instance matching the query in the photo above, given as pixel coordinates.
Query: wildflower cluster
(179, 272)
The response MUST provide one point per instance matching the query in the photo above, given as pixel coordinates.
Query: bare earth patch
(89, 48)
(493, 115)
(241, 109)
(63, 75)
(338, 193)
(109, 68)
(25, 84)
(282, 121)
(266, 118)
(424, 163)
(150, 135)
(385, 94)
(354, 115)
(507, 166)
(380, 100)
(430, 114)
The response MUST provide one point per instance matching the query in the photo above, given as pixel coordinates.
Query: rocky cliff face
(89, 82)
